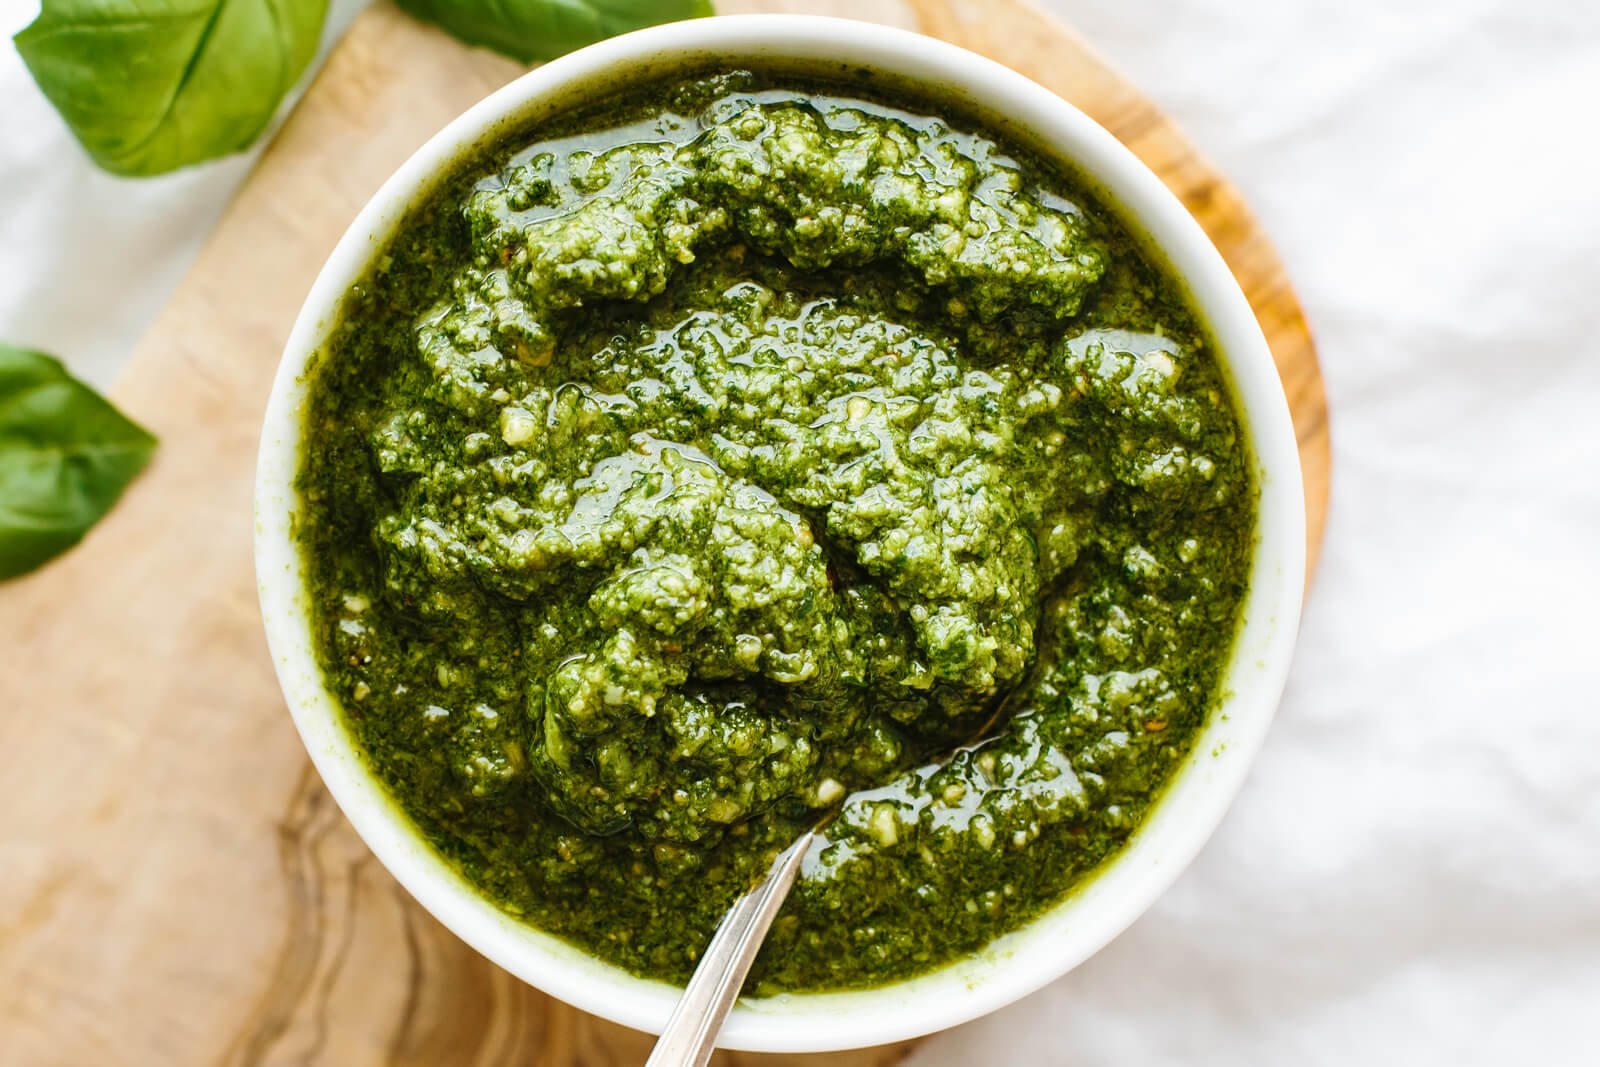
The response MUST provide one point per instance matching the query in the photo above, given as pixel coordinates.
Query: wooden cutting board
(175, 885)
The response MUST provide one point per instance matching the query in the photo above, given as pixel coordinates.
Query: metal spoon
(691, 1032)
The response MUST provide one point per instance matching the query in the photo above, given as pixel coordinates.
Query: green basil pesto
(691, 462)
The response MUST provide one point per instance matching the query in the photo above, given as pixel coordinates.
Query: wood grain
(175, 885)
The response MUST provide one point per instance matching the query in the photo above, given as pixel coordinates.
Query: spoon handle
(691, 1033)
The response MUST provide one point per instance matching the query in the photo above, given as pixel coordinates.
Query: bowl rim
(1194, 801)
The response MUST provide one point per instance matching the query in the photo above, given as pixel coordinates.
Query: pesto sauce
(693, 461)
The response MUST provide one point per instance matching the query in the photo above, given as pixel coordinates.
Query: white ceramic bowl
(1020, 962)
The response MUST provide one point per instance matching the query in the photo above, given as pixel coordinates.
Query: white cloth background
(1412, 874)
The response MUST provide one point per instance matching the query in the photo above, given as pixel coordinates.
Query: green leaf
(532, 30)
(148, 86)
(65, 456)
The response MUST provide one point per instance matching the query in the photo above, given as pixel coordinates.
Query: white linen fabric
(1412, 873)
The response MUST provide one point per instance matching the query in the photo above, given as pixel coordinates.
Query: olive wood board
(176, 887)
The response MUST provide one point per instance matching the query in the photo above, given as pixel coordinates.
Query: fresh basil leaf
(148, 86)
(532, 30)
(65, 456)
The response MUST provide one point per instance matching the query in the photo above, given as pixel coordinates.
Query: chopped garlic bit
(517, 426)
(829, 790)
(884, 825)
